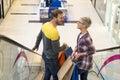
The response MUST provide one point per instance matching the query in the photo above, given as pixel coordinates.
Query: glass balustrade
(106, 65)
(18, 62)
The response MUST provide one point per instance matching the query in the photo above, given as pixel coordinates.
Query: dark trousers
(51, 68)
(83, 74)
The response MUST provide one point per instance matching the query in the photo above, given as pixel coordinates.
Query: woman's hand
(77, 56)
(73, 54)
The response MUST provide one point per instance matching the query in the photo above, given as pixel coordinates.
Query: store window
(112, 19)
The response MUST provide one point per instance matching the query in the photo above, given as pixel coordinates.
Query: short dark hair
(55, 13)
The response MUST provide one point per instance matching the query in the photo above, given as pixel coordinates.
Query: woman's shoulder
(88, 38)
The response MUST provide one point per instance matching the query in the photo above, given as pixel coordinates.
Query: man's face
(60, 19)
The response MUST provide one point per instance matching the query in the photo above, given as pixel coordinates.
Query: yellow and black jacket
(50, 36)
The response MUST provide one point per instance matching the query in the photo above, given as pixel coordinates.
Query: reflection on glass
(108, 63)
(16, 66)
(1, 64)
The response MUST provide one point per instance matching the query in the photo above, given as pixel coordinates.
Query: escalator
(18, 62)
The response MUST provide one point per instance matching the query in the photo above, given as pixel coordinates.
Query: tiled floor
(17, 26)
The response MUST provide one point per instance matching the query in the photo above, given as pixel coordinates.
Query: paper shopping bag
(68, 74)
(66, 70)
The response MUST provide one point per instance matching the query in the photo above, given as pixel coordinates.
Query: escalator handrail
(2, 37)
(107, 49)
(24, 47)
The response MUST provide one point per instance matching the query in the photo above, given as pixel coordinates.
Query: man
(51, 45)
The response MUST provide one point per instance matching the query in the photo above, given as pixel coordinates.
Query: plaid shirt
(84, 44)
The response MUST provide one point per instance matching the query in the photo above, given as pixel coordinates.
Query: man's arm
(39, 38)
(56, 46)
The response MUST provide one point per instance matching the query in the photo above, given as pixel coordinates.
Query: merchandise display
(44, 10)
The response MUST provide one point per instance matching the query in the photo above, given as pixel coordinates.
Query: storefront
(109, 12)
(112, 19)
(44, 11)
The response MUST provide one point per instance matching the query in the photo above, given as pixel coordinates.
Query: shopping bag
(75, 73)
(66, 70)
(68, 52)
(61, 58)
(68, 74)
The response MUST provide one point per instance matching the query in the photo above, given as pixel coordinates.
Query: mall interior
(20, 24)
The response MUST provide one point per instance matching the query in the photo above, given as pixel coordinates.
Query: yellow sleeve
(50, 31)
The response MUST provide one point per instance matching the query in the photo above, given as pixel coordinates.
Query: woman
(85, 49)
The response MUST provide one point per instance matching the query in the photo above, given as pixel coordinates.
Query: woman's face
(80, 24)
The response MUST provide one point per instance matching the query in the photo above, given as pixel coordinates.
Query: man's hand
(64, 46)
(34, 48)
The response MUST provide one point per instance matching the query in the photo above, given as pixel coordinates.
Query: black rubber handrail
(112, 48)
(20, 45)
(2, 37)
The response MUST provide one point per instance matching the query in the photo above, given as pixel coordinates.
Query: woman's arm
(89, 50)
(74, 51)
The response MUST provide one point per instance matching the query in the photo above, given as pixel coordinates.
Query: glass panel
(17, 63)
(108, 63)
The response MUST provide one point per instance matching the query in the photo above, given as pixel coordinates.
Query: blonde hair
(86, 21)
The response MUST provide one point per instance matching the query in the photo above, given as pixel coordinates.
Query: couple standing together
(51, 46)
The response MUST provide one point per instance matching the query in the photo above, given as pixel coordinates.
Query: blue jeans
(51, 68)
(83, 74)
